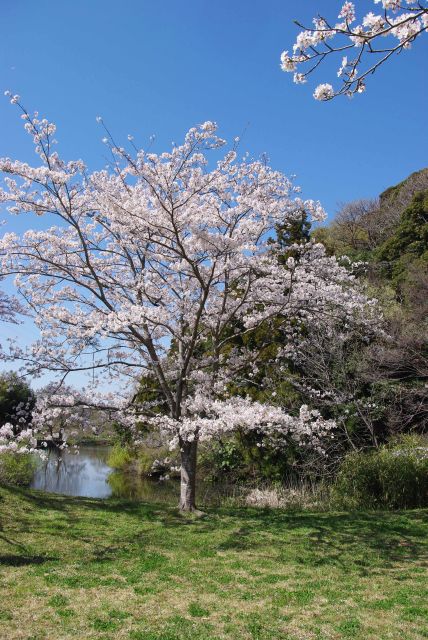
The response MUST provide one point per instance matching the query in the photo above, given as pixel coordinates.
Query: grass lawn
(82, 568)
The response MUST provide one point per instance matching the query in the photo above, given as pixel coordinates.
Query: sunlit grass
(82, 568)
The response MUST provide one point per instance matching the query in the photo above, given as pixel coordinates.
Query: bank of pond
(392, 477)
(87, 473)
(91, 471)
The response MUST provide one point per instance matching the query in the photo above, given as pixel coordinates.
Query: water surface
(88, 475)
(83, 474)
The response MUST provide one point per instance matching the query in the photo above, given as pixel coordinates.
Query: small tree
(371, 43)
(154, 266)
(17, 401)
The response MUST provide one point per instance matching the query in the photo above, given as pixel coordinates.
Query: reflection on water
(167, 491)
(143, 489)
(85, 474)
(88, 474)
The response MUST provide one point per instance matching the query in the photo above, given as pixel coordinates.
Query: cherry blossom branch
(403, 21)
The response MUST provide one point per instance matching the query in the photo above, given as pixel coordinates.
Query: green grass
(82, 568)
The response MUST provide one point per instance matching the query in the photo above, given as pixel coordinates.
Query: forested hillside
(389, 235)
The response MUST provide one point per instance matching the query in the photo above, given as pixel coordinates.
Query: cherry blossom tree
(363, 45)
(153, 267)
(59, 413)
(16, 403)
(12, 438)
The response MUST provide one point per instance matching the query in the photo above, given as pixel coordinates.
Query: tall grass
(392, 477)
(17, 468)
(119, 458)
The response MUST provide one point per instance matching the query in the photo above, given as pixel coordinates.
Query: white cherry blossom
(368, 43)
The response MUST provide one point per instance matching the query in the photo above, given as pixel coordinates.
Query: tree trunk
(188, 476)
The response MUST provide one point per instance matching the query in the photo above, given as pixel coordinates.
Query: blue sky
(151, 67)
(158, 68)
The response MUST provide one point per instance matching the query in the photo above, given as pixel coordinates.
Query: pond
(87, 474)
(84, 474)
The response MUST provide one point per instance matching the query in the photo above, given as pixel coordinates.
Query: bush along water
(392, 477)
(17, 468)
(155, 463)
(119, 458)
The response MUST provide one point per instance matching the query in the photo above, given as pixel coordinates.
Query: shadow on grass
(361, 539)
(20, 561)
(58, 502)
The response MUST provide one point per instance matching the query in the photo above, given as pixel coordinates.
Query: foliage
(16, 468)
(361, 227)
(394, 477)
(249, 456)
(144, 461)
(17, 401)
(220, 458)
(123, 435)
(119, 457)
(382, 387)
(408, 245)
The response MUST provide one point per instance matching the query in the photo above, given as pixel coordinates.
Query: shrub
(392, 477)
(145, 458)
(220, 458)
(17, 468)
(119, 457)
(247, 455)
(143, 461)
